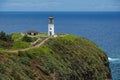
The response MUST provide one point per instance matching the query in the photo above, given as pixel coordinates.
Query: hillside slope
(63, 58)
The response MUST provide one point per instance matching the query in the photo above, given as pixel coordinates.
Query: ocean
(103, 28)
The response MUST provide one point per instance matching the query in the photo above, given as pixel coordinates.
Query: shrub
(27, 39)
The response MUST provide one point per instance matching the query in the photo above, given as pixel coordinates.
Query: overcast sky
(59, 5)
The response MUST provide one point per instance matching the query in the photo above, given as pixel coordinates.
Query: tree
(5, 40)
(2, 35)
(5, 37)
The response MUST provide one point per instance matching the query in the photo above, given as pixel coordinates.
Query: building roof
(31, 31)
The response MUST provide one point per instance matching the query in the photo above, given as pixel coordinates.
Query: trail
(38, 44)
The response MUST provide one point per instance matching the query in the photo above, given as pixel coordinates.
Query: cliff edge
(63, 58)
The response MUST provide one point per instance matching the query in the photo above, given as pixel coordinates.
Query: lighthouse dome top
(51, 17)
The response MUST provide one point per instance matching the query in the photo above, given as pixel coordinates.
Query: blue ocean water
(101, 27)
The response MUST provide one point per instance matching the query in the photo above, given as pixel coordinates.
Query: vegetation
(63, 58)
(27, 39)
(5, 37)
(43, 34)
(15, 40)
(5, 40)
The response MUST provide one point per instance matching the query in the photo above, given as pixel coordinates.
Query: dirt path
(36, 46)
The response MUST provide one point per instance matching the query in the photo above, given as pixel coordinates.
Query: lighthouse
(51, 27)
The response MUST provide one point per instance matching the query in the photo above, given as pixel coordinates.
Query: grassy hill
(63, 58)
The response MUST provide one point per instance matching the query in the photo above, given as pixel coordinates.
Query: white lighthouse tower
(51, 27)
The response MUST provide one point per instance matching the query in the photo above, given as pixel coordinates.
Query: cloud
(108, 7)
(22, 5)
(59, 5)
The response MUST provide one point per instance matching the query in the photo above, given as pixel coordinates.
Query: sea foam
(113, 59)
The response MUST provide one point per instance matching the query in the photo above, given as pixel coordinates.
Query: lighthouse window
(50, 28)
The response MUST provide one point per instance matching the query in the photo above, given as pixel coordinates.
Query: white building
(51, 27)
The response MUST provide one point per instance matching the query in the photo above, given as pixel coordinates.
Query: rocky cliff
(63, 58)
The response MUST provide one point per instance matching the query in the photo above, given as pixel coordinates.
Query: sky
(59, 5)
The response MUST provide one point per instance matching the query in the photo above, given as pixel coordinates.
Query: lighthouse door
(50, 33)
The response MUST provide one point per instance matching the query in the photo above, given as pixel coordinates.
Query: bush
(27, 39)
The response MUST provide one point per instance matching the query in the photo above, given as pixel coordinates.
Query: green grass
(17, 36)
(18, 43)
(43, 35)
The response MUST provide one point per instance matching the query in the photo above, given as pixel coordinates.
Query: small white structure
(51, 27)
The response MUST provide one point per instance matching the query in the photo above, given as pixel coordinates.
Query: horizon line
(59, 11)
